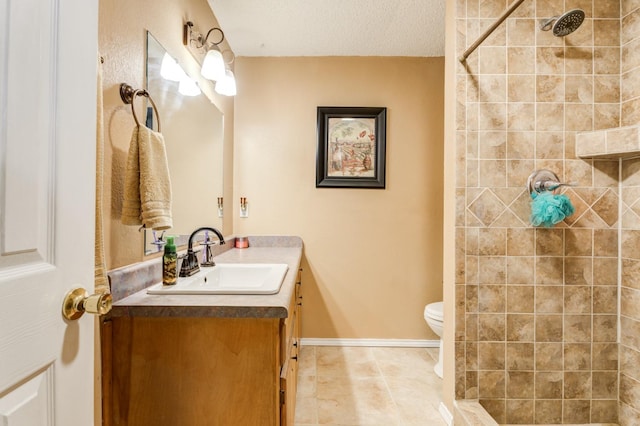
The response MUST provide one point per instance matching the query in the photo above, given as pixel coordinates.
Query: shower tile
(493, 173)
(606, 88)
(520, 356)
(491, 298)
(629, 361)
(548, 411)
(549, 242)
(492, 145)
(549, 116)
(629, 390)
(576, 411)
(570, 145)
(627, 6)
(548, 328)
(548, 356)
(520, 327)
(605, 174)
(577, 300)
(492, 60)
(577, 328)
(521, 60)
(605, 328)
(577, 385)
(496, 409)
(520, 385)
(520, 242)
(606, 32)
(604, 411)
(579, 89)
(520, 270)
(548, 385)
(518, 172)
(521, 32)
(471, 298)
(605, 385)
(605, 299)
(521, 145)
(579, 117)
(579, 172)
(520, 116)
(550, 88)
(630, 55)
(492, 88)
(491, 327)
(630, 86)
(606, 60)
(487, 207)
(577, 356)
(549, 270)
(606, 116)
(492, 116)
(520, 298)
(492, 270)
(491, 356)
(606, 9)
(521, 88)
(491, 384)
(578, 271)
(578, 242)
(630, 273)
(604, 356)
(549, 145)
(630, 244)
(549, 299)
(630, 112)
(579, 60)
(492, 242)
(630, 303)
(520, 411)
(630, 26)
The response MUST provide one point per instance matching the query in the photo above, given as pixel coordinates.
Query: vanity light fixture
(188, 87)
(170, 69)
(214, 64)
(213, 67)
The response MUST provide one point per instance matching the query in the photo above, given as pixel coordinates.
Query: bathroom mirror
(193, 133)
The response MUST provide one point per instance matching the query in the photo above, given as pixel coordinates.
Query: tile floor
(368, 386)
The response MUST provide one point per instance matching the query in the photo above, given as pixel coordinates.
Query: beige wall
(122, 41)
(373, 258)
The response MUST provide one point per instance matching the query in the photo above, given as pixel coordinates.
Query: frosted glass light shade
(170, 69)
(213, 65)
(188, 87)
(227, 85)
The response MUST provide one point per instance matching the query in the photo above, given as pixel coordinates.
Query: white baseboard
(398, 343)
(446, 415)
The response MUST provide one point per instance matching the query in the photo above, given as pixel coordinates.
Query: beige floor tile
(306, 410)
(355, 401)
(345, 361)
(307, 361)
(306, 386)
(403, 361)
(417, 399)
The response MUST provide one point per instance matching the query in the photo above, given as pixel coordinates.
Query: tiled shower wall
(536, 309)
(630, 223)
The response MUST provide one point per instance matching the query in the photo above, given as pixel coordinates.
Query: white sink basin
(229, 278)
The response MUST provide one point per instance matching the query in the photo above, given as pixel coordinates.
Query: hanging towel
(147, 185)
(101, 284)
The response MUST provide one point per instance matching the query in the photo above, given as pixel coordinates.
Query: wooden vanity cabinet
(201, 371)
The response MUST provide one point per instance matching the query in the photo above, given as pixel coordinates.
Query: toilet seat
(434, 311)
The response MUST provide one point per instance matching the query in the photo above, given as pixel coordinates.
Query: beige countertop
(222, 305)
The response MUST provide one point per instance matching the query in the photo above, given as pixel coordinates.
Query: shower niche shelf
(614, 143)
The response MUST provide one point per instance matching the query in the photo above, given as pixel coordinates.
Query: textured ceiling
(332, 27)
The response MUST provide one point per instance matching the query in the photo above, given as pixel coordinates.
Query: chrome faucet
(190, 264)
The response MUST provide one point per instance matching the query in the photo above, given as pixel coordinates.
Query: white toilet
(433, 317)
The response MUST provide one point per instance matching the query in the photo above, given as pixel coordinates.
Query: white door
(48, 52)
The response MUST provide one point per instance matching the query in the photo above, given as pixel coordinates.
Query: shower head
(563, 25)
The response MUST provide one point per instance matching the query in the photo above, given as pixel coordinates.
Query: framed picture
(351, 147)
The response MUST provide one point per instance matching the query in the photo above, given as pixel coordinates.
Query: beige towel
(101, 284)
(147, 185)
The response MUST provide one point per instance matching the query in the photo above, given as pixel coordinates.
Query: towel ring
(128, 95)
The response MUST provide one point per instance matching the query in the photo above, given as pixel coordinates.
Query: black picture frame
(351, 147)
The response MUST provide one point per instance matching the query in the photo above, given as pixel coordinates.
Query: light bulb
(227, 85)
(170, 69)
(188, 87)
(213, 65)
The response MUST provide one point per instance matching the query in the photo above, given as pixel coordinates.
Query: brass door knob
(78, 301)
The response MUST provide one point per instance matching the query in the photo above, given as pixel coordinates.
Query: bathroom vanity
(206, 359)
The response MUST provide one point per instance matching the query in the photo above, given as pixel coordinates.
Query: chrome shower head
(563, 25)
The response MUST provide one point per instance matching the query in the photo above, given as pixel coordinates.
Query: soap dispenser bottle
(170, 263)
